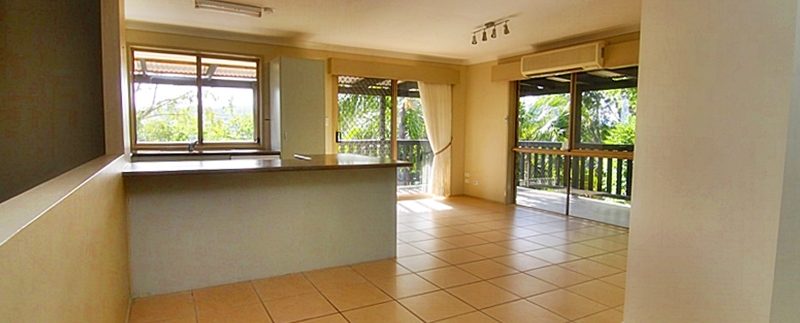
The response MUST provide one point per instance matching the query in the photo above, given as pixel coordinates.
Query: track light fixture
(482, 29)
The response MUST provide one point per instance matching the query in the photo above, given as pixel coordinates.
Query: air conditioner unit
(566, 60)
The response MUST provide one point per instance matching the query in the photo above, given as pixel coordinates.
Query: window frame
(257, 144)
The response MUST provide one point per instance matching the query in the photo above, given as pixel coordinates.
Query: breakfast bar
(195, 224)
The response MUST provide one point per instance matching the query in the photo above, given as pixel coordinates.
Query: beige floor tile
(447, 277)
(610, 316)
(405, 250)
(335, 318)
(471, 228)
(580, 250)
(547, 240)
(458, 256)
(474, 317)
(380, 269)
(436, 306)
(177, 306)
(433, 245)
(490, 250)
(559, 276)
(354, 296)
(224, 297)
(590, 268)
(413, 236)
(466, 240)
(616, 279)
(523, 285)
(566, 304)
(332, 278)
(389, 312)
(553, 255)
(573, 236)
(254, 313)
(404, 285)
(282, 286)
(482, 294)
(487, 269)
(519, 245)
(522, 232)
(522, 311)
(613, 260)
(421, 262)
(622, 239)
(299, 307)
(606, 244)
(443, 232)
(522, 262)
(601, 292)
(494, 236)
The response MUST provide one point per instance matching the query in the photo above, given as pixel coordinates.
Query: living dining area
(399, 161)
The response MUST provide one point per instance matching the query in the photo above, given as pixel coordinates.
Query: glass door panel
(542, 135)
(602, 179)
(412, 141)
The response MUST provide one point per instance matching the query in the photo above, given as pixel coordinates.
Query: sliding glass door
(586, 154)
(384, 118)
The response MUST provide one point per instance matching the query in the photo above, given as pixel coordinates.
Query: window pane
(365, 116)
(229, 100)
(608, 106)
(543, 112)
(165, 97)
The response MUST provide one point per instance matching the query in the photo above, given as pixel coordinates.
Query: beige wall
(715, 94)
(486, 134)
(70, 264)
(389, 67)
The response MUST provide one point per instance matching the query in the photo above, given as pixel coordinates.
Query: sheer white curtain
(437, 110)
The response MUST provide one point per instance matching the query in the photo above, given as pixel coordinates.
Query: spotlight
(494, 32)
(505, 29)
(484, 35)
(474, 39)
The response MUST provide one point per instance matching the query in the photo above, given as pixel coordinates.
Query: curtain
(437, 110)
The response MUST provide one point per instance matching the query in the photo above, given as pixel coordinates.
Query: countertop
(313, 162)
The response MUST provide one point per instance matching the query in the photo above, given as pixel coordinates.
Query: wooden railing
(418, 152)
(601, 171)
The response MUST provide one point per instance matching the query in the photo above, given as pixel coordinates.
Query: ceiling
(438, 30)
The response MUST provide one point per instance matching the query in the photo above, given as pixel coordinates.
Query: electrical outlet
(476, 182)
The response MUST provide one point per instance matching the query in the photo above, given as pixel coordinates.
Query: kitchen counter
(310, 162)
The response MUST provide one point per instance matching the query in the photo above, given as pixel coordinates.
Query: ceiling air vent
(566, 60)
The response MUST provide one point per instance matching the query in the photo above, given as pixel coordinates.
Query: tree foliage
(607, 117)
(174, 119)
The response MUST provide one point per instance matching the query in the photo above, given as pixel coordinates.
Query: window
(607, 103)
(186, 98)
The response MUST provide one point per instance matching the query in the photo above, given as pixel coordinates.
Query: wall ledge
(20, 211)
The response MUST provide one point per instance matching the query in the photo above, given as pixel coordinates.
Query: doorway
(383, 118)
(574, 144)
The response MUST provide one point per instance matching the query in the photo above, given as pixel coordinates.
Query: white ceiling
(434, 29)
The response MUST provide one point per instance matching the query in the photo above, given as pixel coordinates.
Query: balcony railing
(606, 171)
(418, 152)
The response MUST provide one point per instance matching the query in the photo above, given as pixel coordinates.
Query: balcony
(599, 181)
(410, 180)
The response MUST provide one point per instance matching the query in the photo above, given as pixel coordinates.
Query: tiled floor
(458, 260)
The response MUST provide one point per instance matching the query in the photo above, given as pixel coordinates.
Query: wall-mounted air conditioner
(564, 60)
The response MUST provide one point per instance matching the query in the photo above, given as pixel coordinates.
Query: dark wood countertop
(315, 162)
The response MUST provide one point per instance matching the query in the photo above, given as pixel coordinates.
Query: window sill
(156, 155)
